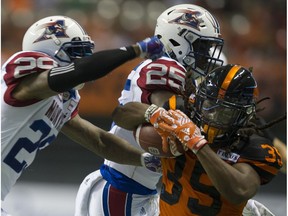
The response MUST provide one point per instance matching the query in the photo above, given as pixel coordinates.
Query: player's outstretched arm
(101, 63)
(107, 145)
(60, 79)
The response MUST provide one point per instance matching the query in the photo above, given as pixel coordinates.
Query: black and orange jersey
(187, 189)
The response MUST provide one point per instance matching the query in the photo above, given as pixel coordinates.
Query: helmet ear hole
(174, 43)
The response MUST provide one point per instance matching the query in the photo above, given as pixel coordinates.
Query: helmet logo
(53, 30)
(189, 18)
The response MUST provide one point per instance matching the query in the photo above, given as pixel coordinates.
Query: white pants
(3, 213)
(96, 197)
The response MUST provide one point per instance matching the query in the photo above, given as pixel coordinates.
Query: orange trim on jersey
(227, 81)
(256, 92)
(172, 102)
(268, 168)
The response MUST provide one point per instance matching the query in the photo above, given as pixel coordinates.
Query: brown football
(149, 140)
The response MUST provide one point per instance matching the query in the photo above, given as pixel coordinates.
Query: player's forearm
(101, 142)
(233, 184)
(119, 150)
(88, 68)
(130, 115)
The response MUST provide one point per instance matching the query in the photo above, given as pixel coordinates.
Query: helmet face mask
(191, 36)
(74, 49)
(203, 56)
(60, 37)
(226, 100)
(223, 115)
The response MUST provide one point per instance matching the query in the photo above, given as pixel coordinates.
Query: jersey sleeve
(20, 65)
(25, 63)
(263, 157)
(161, 75)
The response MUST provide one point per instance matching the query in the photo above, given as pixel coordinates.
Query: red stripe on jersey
(117, 201)
(14, 102)
(75, 112)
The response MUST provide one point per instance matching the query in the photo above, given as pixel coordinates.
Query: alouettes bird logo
(53, 29)
(189, 18)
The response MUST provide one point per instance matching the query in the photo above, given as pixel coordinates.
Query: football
(149, 140)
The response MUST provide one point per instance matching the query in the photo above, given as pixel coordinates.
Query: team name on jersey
(55, 114)
(229, 156)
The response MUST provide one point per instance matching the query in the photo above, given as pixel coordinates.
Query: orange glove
(154, 115)
(184, 129)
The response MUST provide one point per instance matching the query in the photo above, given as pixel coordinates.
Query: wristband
(149, 112)
(144, 158)
(151, 162)
(196, 147)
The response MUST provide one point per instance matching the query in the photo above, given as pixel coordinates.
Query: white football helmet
(60, 37)
(191, 35)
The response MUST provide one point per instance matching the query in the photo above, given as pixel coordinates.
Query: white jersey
(125, 190)
(161, 74)
(28, 126)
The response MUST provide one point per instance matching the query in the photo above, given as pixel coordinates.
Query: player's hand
(166, 138)
(155, 115)
(151, 162)
(151, 48)
(184, 129)
(255, 208)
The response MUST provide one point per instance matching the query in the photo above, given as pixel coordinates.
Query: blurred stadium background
(254, 33)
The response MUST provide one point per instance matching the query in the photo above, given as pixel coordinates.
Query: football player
(224, 166)
(40, 97)
(191, 36)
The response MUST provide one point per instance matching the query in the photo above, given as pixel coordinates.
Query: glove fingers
(174, 114)
(168, 119)
(166, 127)
(183, 127)
(179, 117)
(180, 113)
(165, 144)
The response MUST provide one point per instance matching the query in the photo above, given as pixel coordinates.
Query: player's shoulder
(162, 73)
(24, 63)
(29, 60)
(169, 62)
(20, 56)
(260, 153)
(255, 147)
(163, 63)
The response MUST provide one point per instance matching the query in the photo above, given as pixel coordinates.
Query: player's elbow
(240, 195)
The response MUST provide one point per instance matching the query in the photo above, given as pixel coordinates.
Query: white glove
(255, 208)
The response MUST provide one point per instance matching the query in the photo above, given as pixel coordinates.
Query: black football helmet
(225, 101)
